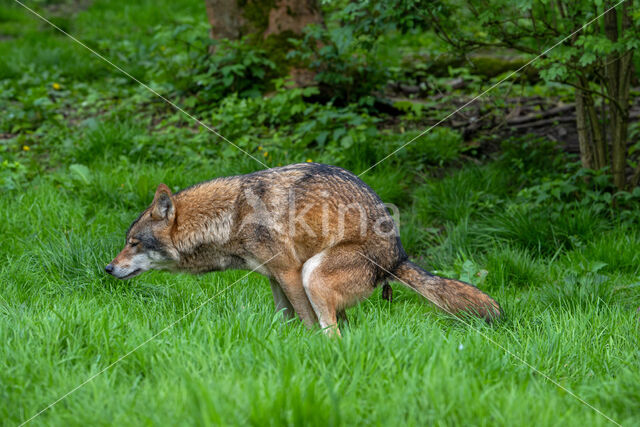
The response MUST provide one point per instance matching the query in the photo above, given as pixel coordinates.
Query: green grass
(234, 362)
(568, 279)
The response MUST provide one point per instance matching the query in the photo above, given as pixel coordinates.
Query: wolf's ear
(163, 204)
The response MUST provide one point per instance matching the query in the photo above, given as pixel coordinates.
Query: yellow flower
(26, 148)
(266, 153)
(56, 86)
(260, 148)
(309, 160)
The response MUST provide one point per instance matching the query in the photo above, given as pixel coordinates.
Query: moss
(278, 46)
(484, 64)
(491, 66)
(256, 13)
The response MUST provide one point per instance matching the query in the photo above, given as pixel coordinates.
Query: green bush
(236, 67)
(345, 73)
(441, 145)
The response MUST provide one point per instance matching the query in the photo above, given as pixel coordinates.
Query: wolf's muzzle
(109, 269)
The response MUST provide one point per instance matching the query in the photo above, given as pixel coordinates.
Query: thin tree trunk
(618, 72)
(612, 69)
(584, 136)
(597, 139)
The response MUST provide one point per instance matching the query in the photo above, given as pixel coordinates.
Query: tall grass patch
(515, 267)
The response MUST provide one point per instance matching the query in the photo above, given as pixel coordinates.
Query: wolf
(322, 237)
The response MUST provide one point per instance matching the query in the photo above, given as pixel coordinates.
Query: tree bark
(293, 16)
(233, 19)
(225, 19)
(618, 74)
(584, 136)
(597, 139)
(271, 23)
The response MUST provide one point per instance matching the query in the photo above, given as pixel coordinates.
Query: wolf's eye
(133, 244)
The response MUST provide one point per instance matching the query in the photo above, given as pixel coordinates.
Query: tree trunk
(233, 19)
(591, 139)
(292, 16)
(225, 19)
(618, 74)
(596, 138)
(584, 135)
(271, 23)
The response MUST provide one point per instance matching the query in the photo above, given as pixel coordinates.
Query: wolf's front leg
(281, 301)
(291, 284)
(343, 320)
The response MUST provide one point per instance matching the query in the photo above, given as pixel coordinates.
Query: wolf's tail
(453, 296)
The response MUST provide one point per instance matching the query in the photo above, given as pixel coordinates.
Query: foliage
(584, 188)
(234, 67)
(532, 159)
(344, 54)
(12, 175)
(345, 72)
(369, 20)
(587, 46)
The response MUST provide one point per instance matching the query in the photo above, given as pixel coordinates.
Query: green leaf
(81, 173)
(228, 80)
(587, 58)
(321, 138)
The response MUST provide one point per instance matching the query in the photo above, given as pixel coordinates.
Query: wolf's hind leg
(281, 301)
(335, 279)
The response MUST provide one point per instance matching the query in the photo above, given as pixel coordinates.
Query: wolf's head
(148, 244)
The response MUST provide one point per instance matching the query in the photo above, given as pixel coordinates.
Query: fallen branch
(546, 122)
(541, 114)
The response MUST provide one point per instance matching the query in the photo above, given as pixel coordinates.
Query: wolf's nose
(109, 268)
